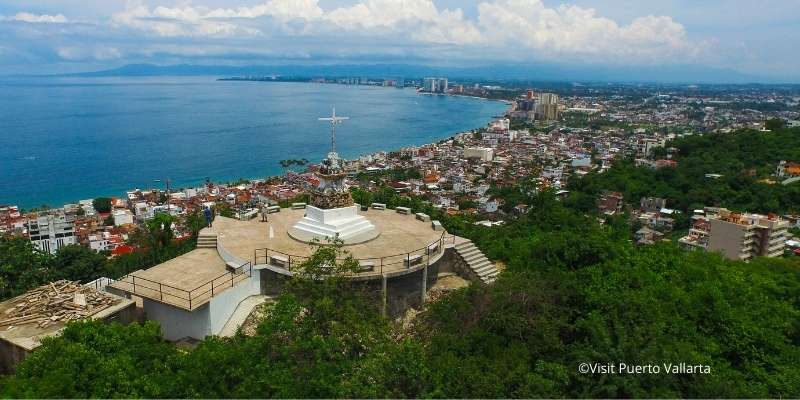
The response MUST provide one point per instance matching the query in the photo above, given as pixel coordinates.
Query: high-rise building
(52, 232)
(435, 85)
(547, 106)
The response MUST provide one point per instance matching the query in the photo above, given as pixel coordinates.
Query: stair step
(476, 258)
(472, 254)
(487, 273)
(482, 268)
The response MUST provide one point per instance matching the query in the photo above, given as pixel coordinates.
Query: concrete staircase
(207, 240)
(476, 261)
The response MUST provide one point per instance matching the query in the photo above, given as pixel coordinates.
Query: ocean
(66, 139)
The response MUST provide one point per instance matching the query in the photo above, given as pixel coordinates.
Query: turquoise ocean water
(66, 139)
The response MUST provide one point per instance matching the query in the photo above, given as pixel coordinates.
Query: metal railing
(185, 298)
(368, 265)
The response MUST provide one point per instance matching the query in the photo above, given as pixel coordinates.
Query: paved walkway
(241, 313)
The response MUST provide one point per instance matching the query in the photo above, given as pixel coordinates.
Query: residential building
(51, 232)
(122, 217)
(481, 153)
(435, 85)
(697, 239)
(744, 236)
(610, 203)
(547, 106)
(650, 204)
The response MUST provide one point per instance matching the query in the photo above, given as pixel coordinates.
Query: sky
(56, 36)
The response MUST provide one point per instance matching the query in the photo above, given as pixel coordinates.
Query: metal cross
(333, 119)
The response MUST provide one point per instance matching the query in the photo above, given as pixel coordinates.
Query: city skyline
(71, 36)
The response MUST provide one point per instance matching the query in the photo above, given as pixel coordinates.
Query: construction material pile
(60, 301)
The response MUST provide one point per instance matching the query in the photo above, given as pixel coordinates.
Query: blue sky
(47, 36)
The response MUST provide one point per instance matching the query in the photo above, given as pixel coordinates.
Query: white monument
(332, 214)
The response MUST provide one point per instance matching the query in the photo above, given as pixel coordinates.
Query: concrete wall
(726, 237)
(272, 282)
(10, 356)
(224, 304)
(177, 323)
(12, 353)
(453, 262)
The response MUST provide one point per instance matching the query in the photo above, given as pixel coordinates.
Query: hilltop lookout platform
(196, 294)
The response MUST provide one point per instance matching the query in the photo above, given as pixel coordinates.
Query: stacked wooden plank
(56, 302)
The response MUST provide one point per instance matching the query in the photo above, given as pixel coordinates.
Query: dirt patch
(250, 325)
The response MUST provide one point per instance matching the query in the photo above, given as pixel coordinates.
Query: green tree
(109, 221)
(96, 360)
(102, 204)
(22, 266)
(774, 124)
(78, 263)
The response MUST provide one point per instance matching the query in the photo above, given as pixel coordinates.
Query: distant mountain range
(527, 72)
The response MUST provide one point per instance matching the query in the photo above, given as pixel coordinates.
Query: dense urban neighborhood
(580, 226)
(547, 141)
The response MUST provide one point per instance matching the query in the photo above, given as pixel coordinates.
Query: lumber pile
(56, 302)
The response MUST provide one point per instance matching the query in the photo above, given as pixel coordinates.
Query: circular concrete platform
(309, 238)
(400, 236)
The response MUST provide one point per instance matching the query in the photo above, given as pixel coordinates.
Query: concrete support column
(383, 295)
(424, 284)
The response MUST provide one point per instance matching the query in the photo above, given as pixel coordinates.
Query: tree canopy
(102, 204)
(573, 291)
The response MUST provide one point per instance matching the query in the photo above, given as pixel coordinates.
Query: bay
(65, 139)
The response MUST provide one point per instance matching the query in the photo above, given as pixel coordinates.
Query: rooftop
(187, 281)
(399, 235)
(42, 312)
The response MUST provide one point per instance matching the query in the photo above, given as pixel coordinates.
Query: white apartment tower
(52, 232)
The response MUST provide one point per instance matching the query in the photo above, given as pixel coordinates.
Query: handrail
(404, 258)
(190, 295)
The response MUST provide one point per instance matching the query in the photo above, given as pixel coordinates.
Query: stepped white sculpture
(332, 214)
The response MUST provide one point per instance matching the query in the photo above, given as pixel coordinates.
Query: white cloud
(571, 31)
(97, 53)
(280, 9)
(419, 19)
(172, 22)
(36, 19)
(522, 29)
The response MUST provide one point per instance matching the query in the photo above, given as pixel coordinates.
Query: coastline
(199, 180)
(256, 129)
(218, 182)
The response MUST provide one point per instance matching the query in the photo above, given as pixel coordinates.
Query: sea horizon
(74, 138)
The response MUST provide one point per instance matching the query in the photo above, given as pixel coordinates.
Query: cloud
(575, 32)
(518, 29)
(495, 31)
(36, 19)
(97, 53)
(173, 22)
